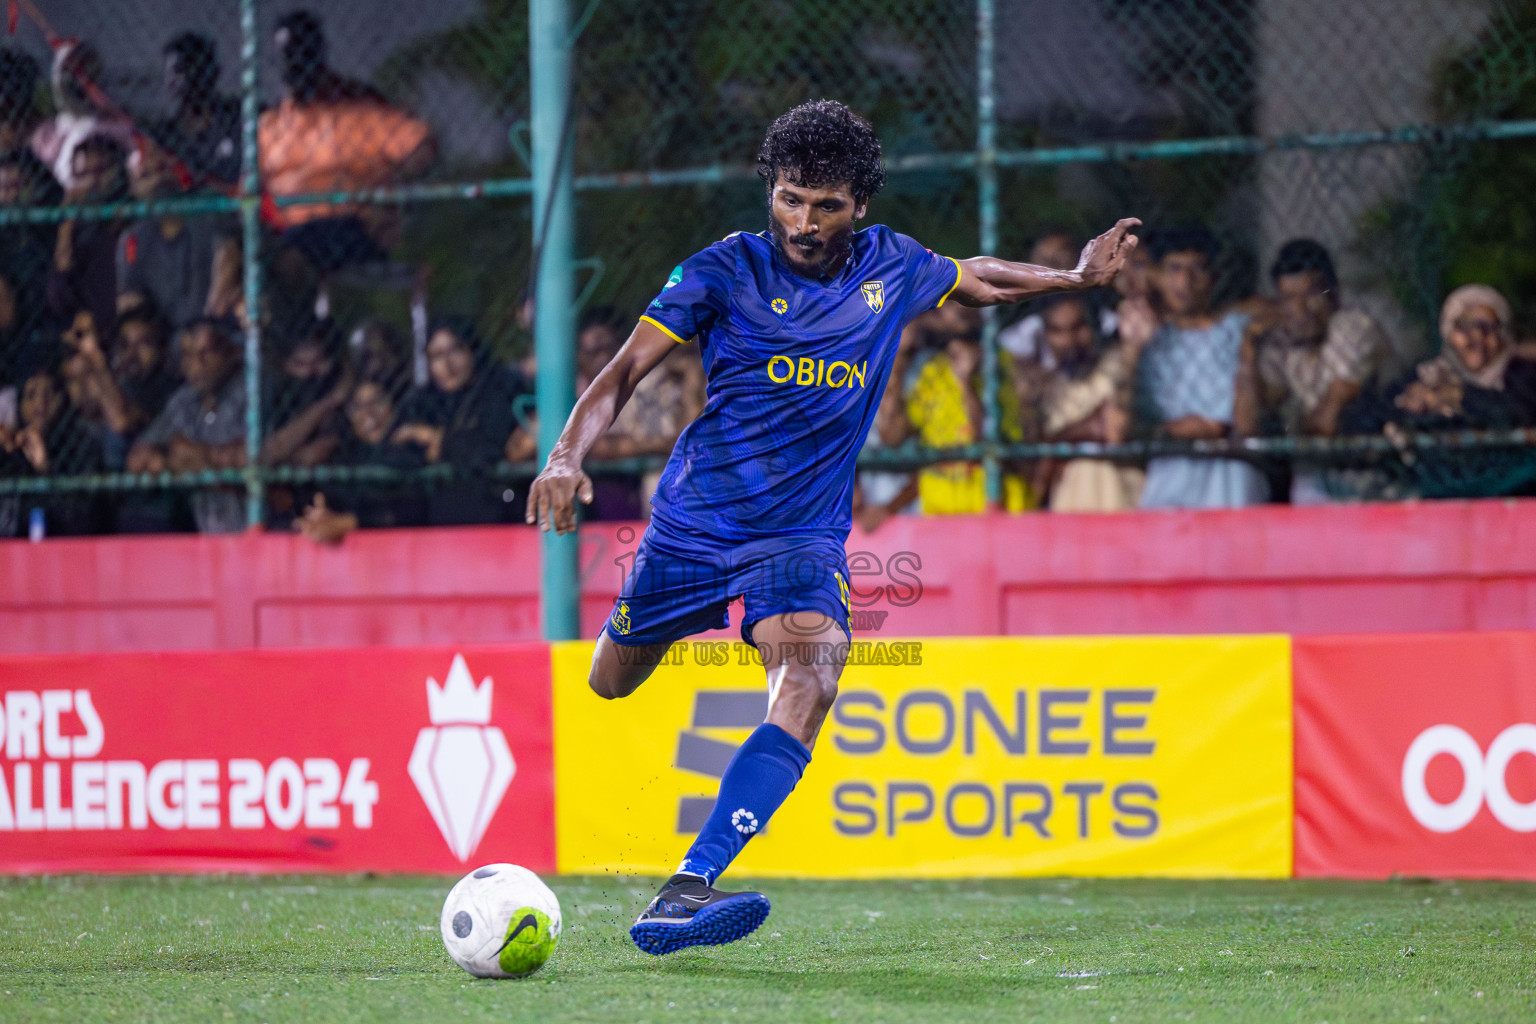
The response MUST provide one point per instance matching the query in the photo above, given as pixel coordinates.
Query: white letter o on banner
(1512, 814)
(1433, 815)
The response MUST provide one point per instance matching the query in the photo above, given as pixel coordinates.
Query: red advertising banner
(416, 759)
(1416, 755)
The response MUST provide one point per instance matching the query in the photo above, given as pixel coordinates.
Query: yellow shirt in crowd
(936, 407)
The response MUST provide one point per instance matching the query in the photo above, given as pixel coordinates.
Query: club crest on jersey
(779, 306)
(874, 294)
(620, 620)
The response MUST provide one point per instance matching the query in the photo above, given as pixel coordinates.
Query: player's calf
(800, 700)
(804, 655)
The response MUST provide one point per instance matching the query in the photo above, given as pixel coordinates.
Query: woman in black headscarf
(51, 440)
(29, 334)
(462, 417)
(342, 507)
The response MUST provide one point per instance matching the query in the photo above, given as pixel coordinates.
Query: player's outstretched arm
(552, 499)
(989, 281)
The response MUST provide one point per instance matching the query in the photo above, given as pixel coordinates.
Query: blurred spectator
(615, 496)
(306, 69)
(203, 132)
(1186, 378)
(528, 364)
(1135, 278)
(120, 396)
(379, 353)
(203, 425)
(463, 416)
(303, 399)
(328, 134)
(1311, 359)
(597, 341)
(343, 507)
(51, 440)
(81, 112)
(1058, 250)
(186, 266)
(1133, 292)
(27, 249)
(83, 373)
(880, 494)
(1479, 381)
(29, 336)
(144, 372)
(140, 366)
(944, 409)
(669, 398)
(84, 272)
(1476, 381)
(19, 75)
(1085, 398)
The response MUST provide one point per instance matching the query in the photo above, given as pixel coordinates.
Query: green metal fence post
(250, 232)
(549, 47)
(986, 213)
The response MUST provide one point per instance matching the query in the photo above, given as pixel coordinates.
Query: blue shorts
(678, 588)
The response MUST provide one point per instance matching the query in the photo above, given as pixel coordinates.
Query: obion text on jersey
(808, 372)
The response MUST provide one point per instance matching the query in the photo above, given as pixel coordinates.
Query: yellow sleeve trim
(669, 332)
(958, 274)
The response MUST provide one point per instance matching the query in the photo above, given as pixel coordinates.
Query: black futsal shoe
(687, 912)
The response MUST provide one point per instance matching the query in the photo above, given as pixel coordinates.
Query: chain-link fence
(268, 264)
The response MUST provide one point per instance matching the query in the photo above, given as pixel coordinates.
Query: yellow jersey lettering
(806, 372)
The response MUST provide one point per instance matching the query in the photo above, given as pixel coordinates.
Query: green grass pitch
(88, 948)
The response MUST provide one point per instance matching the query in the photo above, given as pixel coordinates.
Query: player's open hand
(1103, 257)
(552, 499)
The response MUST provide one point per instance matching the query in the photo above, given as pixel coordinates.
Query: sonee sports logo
(744, 821)
(1483, 778)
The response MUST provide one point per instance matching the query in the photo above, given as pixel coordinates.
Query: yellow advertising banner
(1166, 756)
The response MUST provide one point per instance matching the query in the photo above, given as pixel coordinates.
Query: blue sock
(761, 774)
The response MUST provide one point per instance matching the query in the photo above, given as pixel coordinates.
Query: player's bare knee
(603, 686)
(615, 682)
(617, 671)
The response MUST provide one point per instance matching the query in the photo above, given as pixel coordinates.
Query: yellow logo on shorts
(620, 620)
(874, 294)
(779, 306)
(842, 592)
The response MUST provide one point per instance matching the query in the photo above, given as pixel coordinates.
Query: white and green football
(501, 921)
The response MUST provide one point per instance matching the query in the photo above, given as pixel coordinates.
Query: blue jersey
(795, 370)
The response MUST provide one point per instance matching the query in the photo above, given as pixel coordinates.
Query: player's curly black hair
(822, 143)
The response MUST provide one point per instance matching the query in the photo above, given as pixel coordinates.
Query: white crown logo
(461, 764)
(459, 701)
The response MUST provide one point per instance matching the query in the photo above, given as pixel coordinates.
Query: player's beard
(827, 255)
